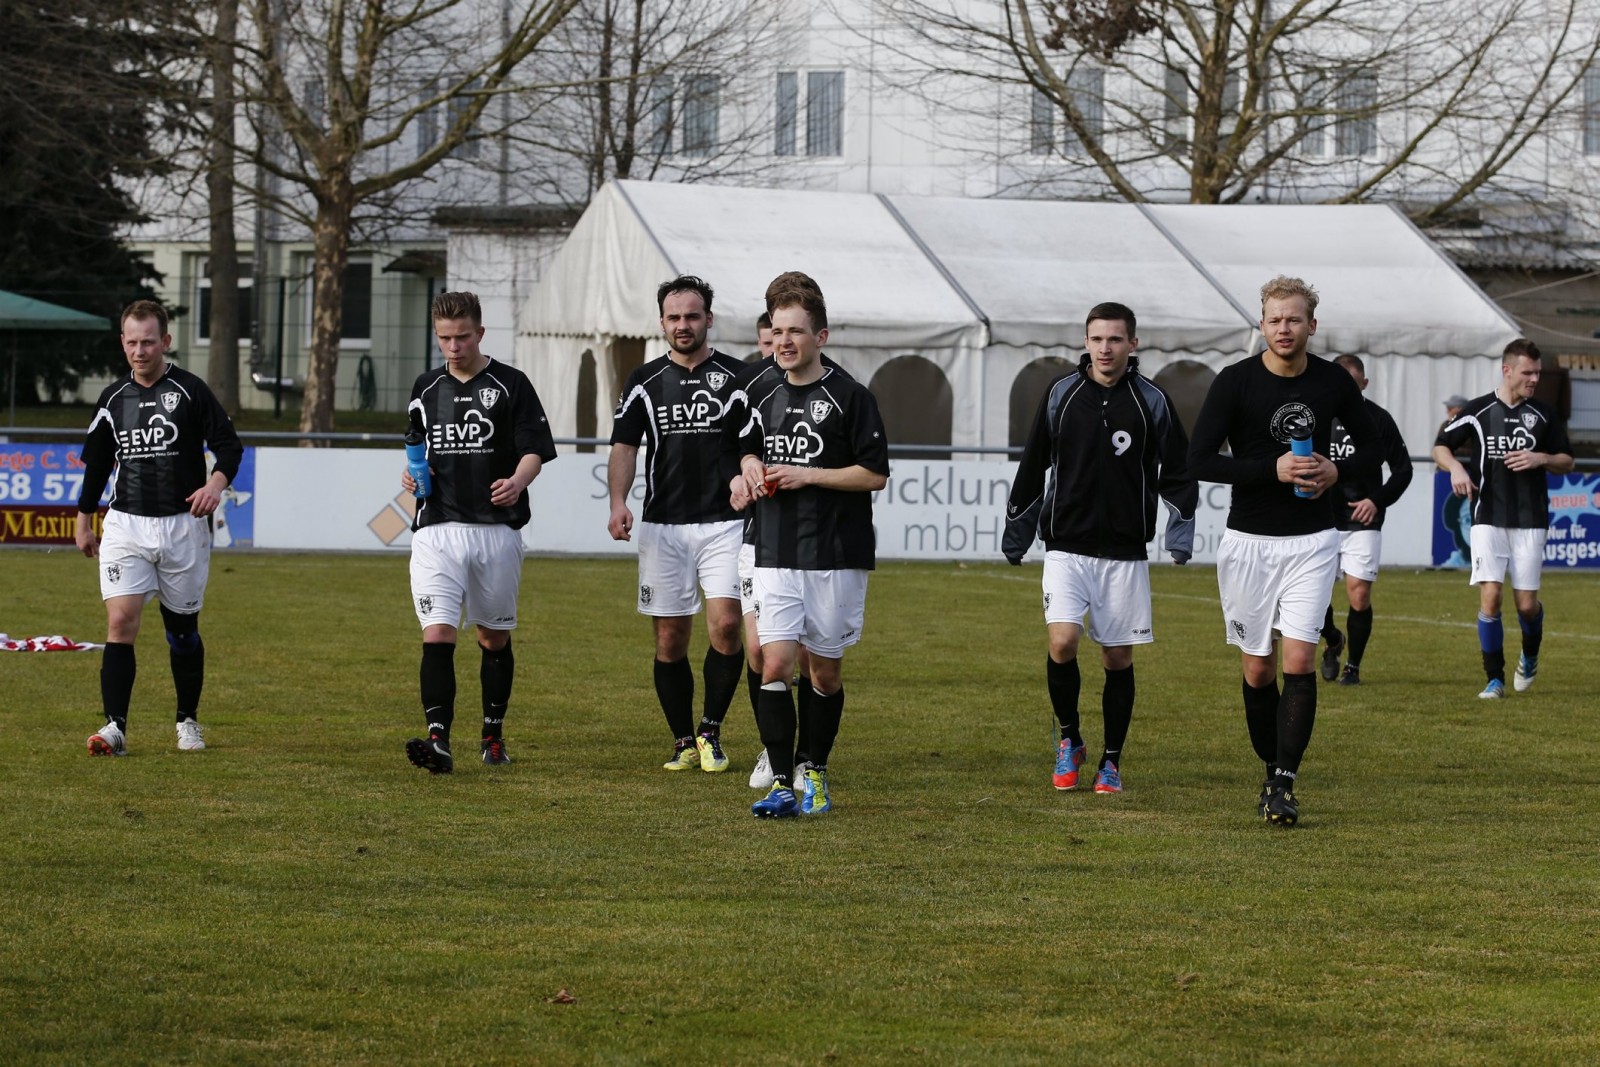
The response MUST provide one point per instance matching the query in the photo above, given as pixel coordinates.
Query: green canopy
(18, 312)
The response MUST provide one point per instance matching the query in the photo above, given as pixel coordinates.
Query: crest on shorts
(488, 396)
(113, 573)
(1238, 628)
(1047, 602)
(646, 594)
(1529, 420)
(169, 400)
(716, 379)
(747, 587)
(424, 604)
(820, 410)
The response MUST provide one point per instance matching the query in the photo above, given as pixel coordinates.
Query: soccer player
(152, 426)
(689, 537)
(1514, 440)
(1359, 520)
(813, 450)
(1104, 443)
(488, 438)
(1279, 555)
(764, 335)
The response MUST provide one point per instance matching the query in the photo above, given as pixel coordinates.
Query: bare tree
(330, 88)
(1431, 103)
(222, 369)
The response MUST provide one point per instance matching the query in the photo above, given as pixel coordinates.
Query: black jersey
(155, 436)
(477, 433)
(1095, 461)
(1253, 410)
(753, 376)
(831, 423)
(678, 413)
(1489, 428)
(1383, 493)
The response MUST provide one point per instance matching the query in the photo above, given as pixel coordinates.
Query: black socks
(675, 690)
(1359, 624)
(438, 683)
(776, 716)
(495, 674)
(722, 681)
(1064, 682)
(1297, 713)
(1261, 718)
(117, 670)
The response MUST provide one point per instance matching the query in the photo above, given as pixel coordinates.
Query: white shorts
(1114, 593)
(1359, 552)
(676, 561)
(471, 566)
(156, 555)
(1275, 583)
(1498, 549)
(747, 579)
(823, 610)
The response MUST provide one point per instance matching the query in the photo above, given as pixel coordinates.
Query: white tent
(982, 288)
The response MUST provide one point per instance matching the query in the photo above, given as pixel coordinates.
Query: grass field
(300, 893)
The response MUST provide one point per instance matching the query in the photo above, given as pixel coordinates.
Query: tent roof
(936, 272)
(18, 312)
(1035, 268)
(1384, 288)
(883, 291)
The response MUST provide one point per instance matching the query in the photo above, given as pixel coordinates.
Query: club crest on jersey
(169, 400)
(1529, 420)
(820, 410)
(488, 396)
(716, 379)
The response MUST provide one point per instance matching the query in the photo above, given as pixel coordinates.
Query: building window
(1088, 88)
(356, 328)
(456, 109)
(700, 102)
(658, 118)
(1042, 125)
(788, 116)
(1356, 101)
(202, 300)
(1175, 113)
(1591, 111)
(825, 113)
(428, 118)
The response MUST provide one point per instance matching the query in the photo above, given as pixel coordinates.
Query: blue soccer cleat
(779, 803)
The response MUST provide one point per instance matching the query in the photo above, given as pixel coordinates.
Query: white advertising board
(350, 500)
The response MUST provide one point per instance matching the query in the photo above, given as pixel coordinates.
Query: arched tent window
(588, 390)
(1026, 392)
(1187, 382)
(916, 402)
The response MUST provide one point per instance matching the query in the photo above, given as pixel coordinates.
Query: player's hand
(83, 533)
(738, 493)
(1524, 460)
(408, 483)
(203, 501)
(787, 477)
(621, 525)
(1179, 557)
(503, 492)
(1364, 511)
(1015, 561)
(1296, 470)
(1321, 477)
(1461, 483)
(754, 473)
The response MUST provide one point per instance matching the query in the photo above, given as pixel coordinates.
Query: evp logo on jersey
(702, 412)
(1520, 439)
(1340, 447)
(801, 444)
(471, 433)
(156, 437)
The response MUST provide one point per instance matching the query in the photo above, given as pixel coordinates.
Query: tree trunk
(222, 369)
(335, 203)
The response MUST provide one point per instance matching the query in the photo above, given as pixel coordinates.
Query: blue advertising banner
(39, 487)
(1574, 537)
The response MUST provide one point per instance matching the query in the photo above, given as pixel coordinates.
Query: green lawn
(300, 893)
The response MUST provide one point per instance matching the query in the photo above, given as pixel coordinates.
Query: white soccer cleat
(189, 739)
(108, 742)
(1527, 670)
(761, 777)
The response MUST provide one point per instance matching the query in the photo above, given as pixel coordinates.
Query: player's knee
(183, 631)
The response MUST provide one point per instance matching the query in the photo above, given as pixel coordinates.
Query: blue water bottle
(1300, 445)
(417, 463)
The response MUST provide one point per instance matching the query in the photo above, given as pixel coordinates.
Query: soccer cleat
(1495, 690)
(1330, 656)
(686, 758)
(1261, 801)
(1527, 667)
(712, 758)
(1278, 805)
(108, 742)
(761, 777)
(779, 803)
(494, 752)
(1107, 779)
(1351, 676)
(814, 792)
(189, 739)
(1068, 760)
(432, 755)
